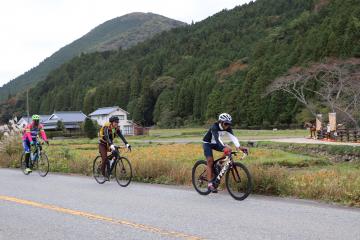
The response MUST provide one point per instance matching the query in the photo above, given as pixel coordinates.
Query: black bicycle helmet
(114, 119)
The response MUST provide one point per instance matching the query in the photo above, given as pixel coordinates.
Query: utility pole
(27, 103)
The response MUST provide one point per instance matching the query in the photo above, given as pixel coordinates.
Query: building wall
(100, 119)
(22, 121)
(125, 126)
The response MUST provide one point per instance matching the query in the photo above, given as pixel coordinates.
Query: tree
(335, 83)
(88, 103)
(90, 128)
(60, 126)
(269, 37)
(214, 106)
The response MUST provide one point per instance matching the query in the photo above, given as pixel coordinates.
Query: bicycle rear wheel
(199, 177)
(123, 172)
(97, 170)
(23, 164)
(238, 181)
(42, 165)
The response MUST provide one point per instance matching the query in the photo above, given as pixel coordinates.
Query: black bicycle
(38, 161)
(120, 168)
(238, 179)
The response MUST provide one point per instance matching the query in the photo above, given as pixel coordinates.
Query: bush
(90, 129)
(60, 126)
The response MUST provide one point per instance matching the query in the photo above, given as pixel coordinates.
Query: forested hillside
(121, 32)
(224, 63)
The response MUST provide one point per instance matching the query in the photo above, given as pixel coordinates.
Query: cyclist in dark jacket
(108, 132)
(212, 141)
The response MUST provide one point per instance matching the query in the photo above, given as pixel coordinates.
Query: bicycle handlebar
(119, 146)
(122, 147)
(245, 154)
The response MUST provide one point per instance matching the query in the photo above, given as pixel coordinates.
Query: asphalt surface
(76, 207)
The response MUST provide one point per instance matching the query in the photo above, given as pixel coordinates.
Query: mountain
(121, 32)
(222, 64)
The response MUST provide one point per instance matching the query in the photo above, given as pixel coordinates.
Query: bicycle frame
(228, 165)
(112, 164)
(36, 152)
(117, 157)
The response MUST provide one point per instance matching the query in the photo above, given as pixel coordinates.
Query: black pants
(27, 160)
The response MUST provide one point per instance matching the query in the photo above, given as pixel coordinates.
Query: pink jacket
(31, 132)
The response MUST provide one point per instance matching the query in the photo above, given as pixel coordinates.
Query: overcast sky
(32, 30)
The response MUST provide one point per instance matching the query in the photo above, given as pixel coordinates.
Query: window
(121, 117)
(128, 130)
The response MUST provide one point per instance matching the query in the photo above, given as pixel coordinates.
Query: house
(72, 120)
(26, 120)
(102, 115)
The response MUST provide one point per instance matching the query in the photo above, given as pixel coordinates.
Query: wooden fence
(350, 135)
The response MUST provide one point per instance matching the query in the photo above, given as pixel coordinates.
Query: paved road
(75, 207)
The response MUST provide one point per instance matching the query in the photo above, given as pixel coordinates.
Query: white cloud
(33, 30)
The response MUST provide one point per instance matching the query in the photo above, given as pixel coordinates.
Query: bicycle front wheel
(123, 171)
(42, 165)
(238, 181)
(97, 170)
(199, 177)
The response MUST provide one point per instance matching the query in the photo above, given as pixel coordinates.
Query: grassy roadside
(276, 171)
(336, 153)
(197, 133)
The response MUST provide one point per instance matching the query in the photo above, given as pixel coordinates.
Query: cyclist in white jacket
(212, 141)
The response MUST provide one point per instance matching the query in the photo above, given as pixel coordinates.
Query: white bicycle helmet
(225, 117)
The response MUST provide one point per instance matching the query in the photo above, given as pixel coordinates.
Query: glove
(128, 146)
(227, 151)
(245, 150)
(47, 142)
(112, 147)
(31, 143)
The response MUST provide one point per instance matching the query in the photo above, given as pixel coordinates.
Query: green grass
(314, 149)
(198, 133)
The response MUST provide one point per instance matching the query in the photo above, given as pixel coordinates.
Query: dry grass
(327, 184)
(10, 150)
(170, 164)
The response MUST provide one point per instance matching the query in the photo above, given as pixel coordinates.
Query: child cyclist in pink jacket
(32, 130)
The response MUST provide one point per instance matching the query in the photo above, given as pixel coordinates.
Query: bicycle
(238, 179)
(122, 166)
(38, 161)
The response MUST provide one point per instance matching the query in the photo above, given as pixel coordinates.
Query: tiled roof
(67, 117)
(43, 118)
(106, 111)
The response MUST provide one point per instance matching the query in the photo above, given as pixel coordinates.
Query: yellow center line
(143, 227)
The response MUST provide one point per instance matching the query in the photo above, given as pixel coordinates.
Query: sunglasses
(227, 124)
